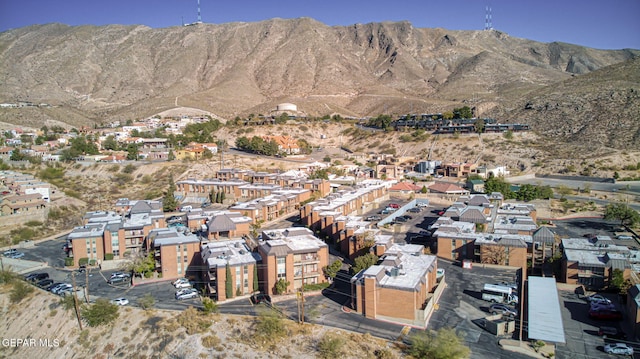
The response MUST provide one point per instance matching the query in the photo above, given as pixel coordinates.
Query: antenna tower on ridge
(199, 18)
(488, 22)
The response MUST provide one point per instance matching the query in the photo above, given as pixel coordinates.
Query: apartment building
(280, 203)
(363, 198)
(86, 243)
(175, 252)
(293, 255)
(242, 263)
(401, 287)
(591, 262)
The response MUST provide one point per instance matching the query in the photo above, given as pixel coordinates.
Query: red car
(607, 314)
(394, 205)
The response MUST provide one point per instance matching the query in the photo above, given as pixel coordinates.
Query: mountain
(96, 74)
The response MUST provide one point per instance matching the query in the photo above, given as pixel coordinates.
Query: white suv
(183, 285)
(189, 295)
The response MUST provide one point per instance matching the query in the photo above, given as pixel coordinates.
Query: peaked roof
(543, 234)
(221, 223)
(405, 186)
(442, 187)
(141, 207)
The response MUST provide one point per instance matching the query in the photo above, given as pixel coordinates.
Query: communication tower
(488, 22)
(199, 18)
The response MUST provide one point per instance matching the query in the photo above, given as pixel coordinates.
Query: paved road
(630, 187)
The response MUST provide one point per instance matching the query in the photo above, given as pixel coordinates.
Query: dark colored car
(260, 298)
(407, 217)
(118, 280)
(400, 219)
(36, 277)
(45, 283)
(609, 314)
(611, 332)
(415, 210)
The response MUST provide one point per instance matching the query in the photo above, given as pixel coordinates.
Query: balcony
(306, 258)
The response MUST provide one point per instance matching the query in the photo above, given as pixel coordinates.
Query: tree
(132, 152)
(169, 203)
(110, 143)
(424, 189)
(622, 212)
(447, 115)
(332, 270)
(443, 344)
(364, 262)
(171, 156)
(492, 254)
(99, 313)
(563, 191)
(255, 278)
(281, 286)
(228, 285)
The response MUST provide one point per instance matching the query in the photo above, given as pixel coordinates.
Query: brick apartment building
(175, 253)
(293, 255)
(399, 288)
(242, 263)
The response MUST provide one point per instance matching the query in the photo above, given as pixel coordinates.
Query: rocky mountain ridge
(96, 74)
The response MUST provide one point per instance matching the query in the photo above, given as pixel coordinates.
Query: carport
(545, 317)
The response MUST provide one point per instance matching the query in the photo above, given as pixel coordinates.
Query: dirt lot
(159, 334)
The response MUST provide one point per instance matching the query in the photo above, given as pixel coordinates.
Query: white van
(187, 208)
(499, 294)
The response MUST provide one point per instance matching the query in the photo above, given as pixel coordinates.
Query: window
(281, 267)
(186, 259)
(246, 269)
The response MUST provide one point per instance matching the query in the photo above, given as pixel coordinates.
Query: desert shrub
(7, 276)
(130, 168)
(114, 168)
(99, 313)
(209, 305)
(192, 321)
(330, 346)
(211, 341)
(147, 301)
(269, 326)
(19, 291)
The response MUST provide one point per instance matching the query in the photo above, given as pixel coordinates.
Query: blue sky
(613, 24)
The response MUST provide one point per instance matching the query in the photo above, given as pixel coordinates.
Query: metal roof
(545, 317)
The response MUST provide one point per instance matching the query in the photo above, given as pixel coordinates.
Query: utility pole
(86, 285)
(75, 299)
(302, 296)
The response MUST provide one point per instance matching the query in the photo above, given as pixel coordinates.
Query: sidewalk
(525, 348)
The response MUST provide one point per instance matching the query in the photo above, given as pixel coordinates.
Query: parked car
(260, 298)
(16, 255)
(611, 332)
(387, 211)
(9, 252)
(373, 218)
(183, 285)
(440, 213)
(179, 280)
(503, 309)
(185, 291)
(61, 287)
(407, 217)
(53, 285)
(120, 274)
(189, 295)
(601, 306)
(36, 277)
(120, 301)
(45, 283)
(422, 204)
(624, 237)
(415, 210)
(607, 314)
(118, 279)
(400, 219)
(394, 205)
(618, 348)
(598, 298)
